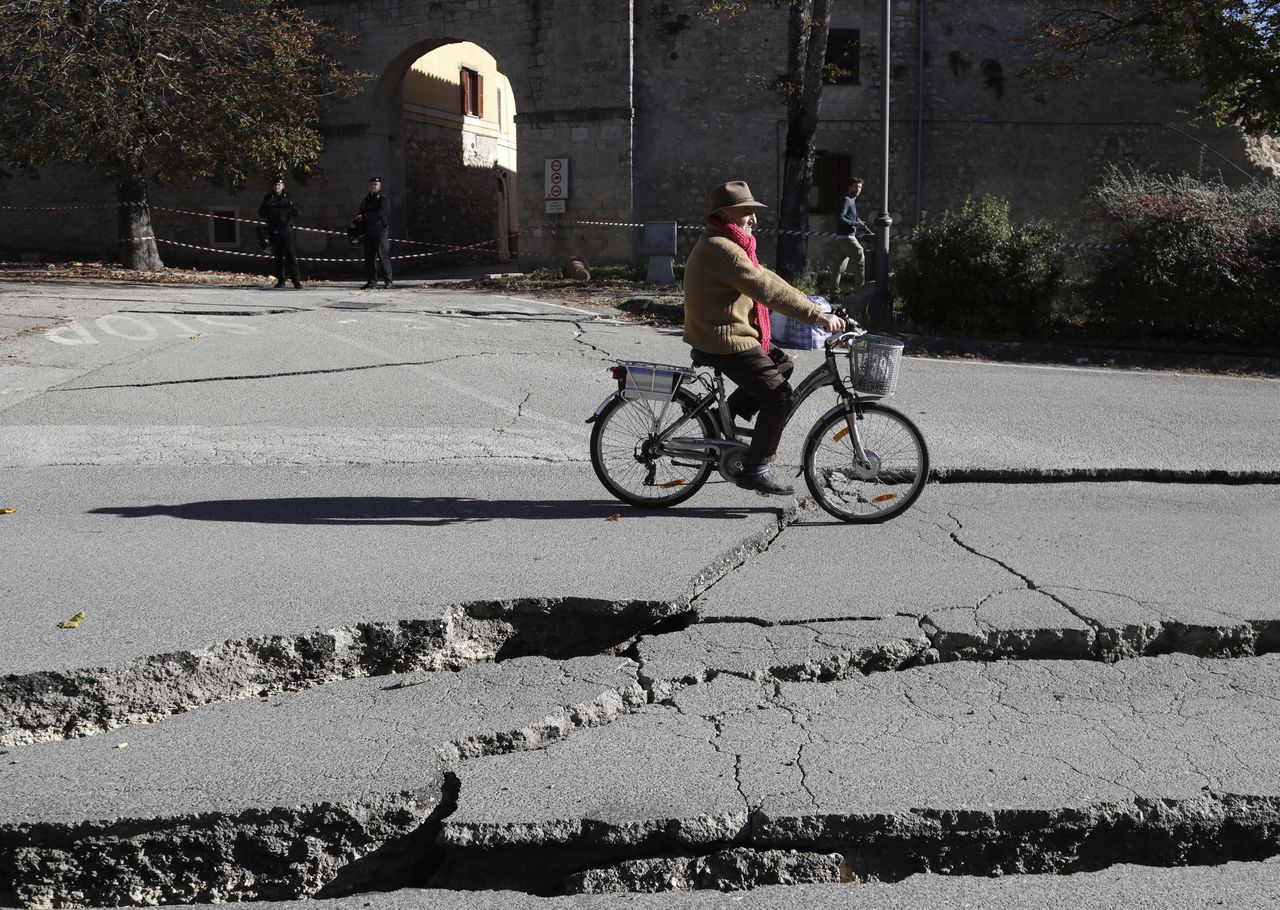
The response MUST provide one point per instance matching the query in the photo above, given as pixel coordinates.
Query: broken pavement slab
(818, 651)
(963, 768)
(1098, 571)
(288, 579)
(281, 797)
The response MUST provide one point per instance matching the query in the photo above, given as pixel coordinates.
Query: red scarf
(748, 243)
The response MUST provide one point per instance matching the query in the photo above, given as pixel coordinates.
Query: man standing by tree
(848, 249)
(278, 210)
(375, 218)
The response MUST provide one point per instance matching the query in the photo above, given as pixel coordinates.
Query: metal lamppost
(882, 299)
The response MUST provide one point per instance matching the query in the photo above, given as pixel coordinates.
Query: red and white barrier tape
(62, 208)
(209, 249)
(699, 227)
(310, 230)
(443, 248)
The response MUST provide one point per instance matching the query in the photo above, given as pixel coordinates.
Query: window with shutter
(472, 88)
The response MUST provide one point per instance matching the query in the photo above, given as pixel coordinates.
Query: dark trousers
(282, 244)
(377, 250)
(762, 390)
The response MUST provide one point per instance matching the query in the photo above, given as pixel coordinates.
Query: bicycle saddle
(696, 356)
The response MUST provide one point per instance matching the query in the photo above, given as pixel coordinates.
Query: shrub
(973, 271)
(1190, 259)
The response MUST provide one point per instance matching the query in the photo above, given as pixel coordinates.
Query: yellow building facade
(460, 149)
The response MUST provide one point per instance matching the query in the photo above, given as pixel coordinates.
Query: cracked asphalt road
(359, 618)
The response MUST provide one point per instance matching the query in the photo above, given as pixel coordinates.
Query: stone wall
(963, 119)
(51, 232)
(653, 105)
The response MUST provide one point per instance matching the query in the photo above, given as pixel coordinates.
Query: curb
(1205, 476)
(1082, 355)
(670, 309)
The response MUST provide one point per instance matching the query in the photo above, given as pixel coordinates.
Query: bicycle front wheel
(631, 464)
(886, 484)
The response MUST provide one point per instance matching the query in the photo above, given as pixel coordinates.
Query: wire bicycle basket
(651, 381)
(874, 361)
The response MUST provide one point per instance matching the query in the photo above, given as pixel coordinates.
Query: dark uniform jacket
(278, 211)
(376, 209)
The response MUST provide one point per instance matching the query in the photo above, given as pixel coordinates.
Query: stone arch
(458, 148)
(543, 48)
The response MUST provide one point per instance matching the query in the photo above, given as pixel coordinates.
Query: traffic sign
(556, 178)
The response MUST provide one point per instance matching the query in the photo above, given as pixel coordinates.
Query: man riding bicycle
(727, 298)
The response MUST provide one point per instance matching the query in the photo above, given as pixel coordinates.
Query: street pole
(882, 299)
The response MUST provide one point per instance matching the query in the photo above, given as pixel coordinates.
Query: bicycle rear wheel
(896, 471)
(625, 458)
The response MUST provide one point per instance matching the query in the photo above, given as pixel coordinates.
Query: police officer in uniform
(278, 210)
(375, 218)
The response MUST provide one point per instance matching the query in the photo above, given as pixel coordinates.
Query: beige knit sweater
(721, 285)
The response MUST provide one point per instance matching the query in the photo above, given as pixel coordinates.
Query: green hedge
(972, 271)
(1192, 260)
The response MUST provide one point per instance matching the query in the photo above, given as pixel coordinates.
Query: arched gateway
(570, 64)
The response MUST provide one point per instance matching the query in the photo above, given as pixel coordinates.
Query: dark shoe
(387, 283)
(765, 484)
(298, 285)
(280, 283)
(367, 286)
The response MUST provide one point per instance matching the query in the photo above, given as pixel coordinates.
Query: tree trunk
(808, 26)
(138, 249)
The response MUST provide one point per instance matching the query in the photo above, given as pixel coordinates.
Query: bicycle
(863, 461)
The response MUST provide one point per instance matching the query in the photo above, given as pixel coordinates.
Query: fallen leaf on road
(7, 511)
(73, 622)
(614, 517)
(122, 745)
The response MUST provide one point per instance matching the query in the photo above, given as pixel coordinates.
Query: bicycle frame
(711, 449)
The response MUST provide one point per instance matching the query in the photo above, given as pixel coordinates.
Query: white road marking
(132, 327)
(108, 325)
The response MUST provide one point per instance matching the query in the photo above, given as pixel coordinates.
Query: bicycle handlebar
(852, 328)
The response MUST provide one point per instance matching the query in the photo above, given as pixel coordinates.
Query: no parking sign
(555, 184)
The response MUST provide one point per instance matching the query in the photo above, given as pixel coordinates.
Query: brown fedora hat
(734, 194)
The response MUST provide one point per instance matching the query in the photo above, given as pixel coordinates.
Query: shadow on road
(426, 511)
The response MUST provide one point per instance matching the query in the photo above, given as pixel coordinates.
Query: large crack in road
(51, 705)
(429, 832)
